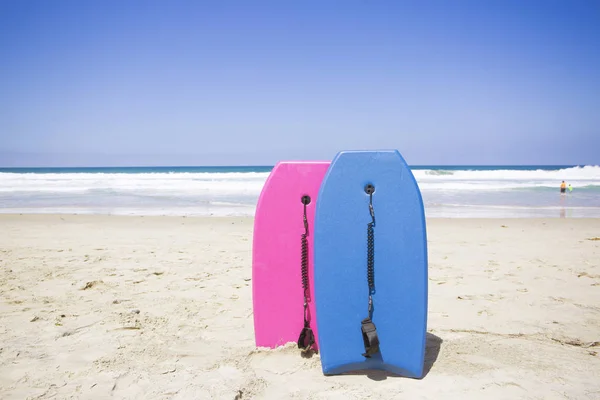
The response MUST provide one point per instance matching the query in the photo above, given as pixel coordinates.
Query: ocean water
(448, 191)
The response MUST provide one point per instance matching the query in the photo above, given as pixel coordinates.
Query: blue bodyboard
(400, 264)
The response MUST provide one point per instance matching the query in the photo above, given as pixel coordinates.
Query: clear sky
(114, 82)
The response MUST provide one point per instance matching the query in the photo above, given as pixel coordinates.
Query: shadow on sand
(308, 353)
(432, 350)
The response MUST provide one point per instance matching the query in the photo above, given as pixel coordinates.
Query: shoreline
(559, 215)
(248, 217)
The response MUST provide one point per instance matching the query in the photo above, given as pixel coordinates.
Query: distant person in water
(563, 187)
(570, 188)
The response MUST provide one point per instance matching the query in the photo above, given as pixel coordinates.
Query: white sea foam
(235, 193)
(235, 183)
(504, 179)
(588, 172)
(250, 183)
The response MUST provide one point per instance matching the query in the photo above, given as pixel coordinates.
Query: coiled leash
(369, 332)
(307, 338)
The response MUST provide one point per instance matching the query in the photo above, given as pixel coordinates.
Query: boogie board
(399, 265)
(278, 278)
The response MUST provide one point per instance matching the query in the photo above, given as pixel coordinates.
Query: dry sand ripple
(161, 308)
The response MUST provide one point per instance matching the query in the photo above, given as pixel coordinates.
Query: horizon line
(273, 165)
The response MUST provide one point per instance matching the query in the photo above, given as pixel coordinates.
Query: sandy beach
(95, 307)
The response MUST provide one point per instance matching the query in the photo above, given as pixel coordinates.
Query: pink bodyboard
(277, 293)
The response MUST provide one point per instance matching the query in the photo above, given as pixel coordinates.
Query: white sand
(161, 308)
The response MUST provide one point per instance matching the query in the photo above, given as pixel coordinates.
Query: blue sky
(253, 82)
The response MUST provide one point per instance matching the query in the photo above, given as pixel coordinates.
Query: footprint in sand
(488, 297)
(89, 285)
(558, 299)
